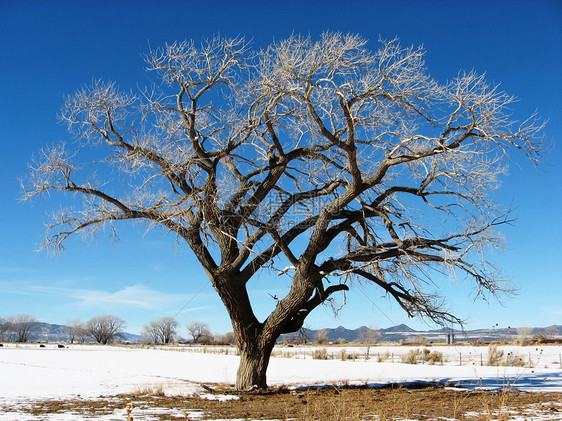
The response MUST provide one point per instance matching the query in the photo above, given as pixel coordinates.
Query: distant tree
(269, 160)
(161, 331)
(22, 326)
(321, 337)
(417, 339)
(228, 338)
(369, 337)
(524, 334)
(148, 335)
(82, 333)
(105, 329)
(199, 332)
(76, 330)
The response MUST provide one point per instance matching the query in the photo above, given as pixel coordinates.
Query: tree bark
(254, 360)
(255, 347)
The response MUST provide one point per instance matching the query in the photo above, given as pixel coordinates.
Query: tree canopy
(319, 160)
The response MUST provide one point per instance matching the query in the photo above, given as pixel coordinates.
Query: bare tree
(524, 335)
(149, 335)
(199, 332)
(22, 326)
(228, 338)
(321, 337)
(369, 337)
(82, 333)
(161, 331)
(322, 161)
(105, 329)
(75, 330)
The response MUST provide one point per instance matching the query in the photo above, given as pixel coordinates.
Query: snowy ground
(29, 373)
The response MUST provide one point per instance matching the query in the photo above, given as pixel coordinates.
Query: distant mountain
(549, 330)
(130, 337)
(46, 332)
(404, 334)
(398, 329)
(340, 334)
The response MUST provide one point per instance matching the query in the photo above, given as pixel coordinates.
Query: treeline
(108, 329)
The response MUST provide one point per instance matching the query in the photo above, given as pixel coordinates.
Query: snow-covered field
(28, 372)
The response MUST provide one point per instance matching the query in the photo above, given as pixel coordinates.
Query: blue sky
(49, 49)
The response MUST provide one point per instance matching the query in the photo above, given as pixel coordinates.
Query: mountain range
(404, 334)
(46, 332)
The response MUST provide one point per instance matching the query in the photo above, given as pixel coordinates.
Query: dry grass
(320, 354)
(329, 404)
(416, 355)
(153, 389)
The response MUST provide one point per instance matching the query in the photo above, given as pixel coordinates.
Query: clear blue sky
(50, 48)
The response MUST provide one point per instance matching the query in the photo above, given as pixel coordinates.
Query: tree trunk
(254, 359)
(255, 347)
(255, 339)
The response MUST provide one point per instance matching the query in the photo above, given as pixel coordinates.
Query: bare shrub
(411, 357)
(495, 355)
(320, 354)
(432, 357)
(383, 357)
(514, 360)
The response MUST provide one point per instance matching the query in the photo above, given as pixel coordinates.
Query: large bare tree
(105, 329)
(22, 326)
(321, 160)
(163, 330)
(199, 332)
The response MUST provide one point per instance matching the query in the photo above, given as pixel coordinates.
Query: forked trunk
(256, 340)
(254, 359)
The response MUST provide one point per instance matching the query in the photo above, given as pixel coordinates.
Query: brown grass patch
(331, 404)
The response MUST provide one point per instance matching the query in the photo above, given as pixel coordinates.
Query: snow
(31, 373)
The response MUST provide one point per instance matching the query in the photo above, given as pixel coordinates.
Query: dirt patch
(325, 404)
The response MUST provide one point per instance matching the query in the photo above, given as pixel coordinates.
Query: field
(331, 383)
